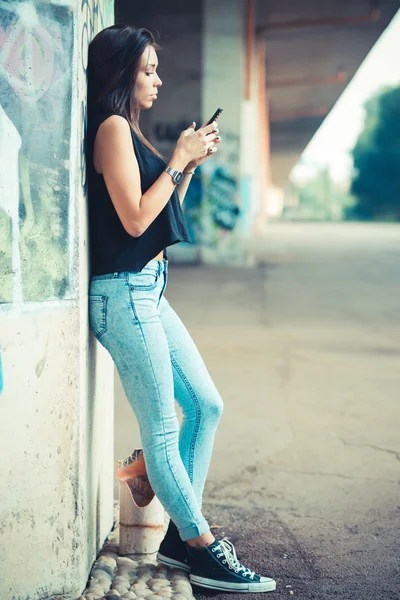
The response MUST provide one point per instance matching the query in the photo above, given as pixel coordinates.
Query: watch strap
(176, 175)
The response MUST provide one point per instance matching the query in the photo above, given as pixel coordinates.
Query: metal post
(264, 137)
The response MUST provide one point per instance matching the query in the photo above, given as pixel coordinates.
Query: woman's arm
(116, 160)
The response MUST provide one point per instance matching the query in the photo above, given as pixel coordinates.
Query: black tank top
(112, 249)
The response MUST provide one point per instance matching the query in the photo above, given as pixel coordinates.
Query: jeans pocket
(144, 281)
(98, 315)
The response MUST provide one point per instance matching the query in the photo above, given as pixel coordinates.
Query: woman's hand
(195, 163)
(198, 146)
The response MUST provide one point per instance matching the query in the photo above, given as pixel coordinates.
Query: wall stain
(39, 367)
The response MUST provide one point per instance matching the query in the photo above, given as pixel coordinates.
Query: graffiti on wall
(220, 211)
(36, 101)
(35, 91)
(221, 192)
(221, 189)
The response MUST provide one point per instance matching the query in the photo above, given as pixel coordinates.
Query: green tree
(376, 155)
(323, 199)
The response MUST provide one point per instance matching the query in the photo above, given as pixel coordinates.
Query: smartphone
(215, 116)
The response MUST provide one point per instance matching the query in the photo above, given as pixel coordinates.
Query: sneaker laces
(228, 550)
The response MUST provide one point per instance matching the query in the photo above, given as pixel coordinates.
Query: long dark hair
(113, 66)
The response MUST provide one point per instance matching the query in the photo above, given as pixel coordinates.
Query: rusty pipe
(340, 77)
(373, 16)
(250, 36)
(301, 113)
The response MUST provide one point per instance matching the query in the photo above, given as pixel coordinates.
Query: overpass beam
(372, 17)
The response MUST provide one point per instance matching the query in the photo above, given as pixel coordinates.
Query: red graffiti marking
(27, 59)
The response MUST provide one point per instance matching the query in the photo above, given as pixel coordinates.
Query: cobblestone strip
(135, 577)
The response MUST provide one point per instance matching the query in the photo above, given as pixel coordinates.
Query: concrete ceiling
(313, 49)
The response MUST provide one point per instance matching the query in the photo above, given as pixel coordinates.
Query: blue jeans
(159, 363)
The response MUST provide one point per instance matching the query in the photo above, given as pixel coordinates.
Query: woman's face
(147, 81)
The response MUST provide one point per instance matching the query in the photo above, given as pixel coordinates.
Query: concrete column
(222, 85)
(56, 406)
(264, 150)
(249, 157)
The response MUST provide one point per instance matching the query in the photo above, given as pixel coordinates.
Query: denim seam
(198, 413)
(162, 418)
(143, 288)
(163, 286)
(103, 300)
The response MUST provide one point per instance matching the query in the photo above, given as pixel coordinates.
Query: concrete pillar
(229, 81)
(56, 406)
(250, 130)
(222, 85)
(264, 149)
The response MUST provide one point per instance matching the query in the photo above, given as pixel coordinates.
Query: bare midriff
(159, 256)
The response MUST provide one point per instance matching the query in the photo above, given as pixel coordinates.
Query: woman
(134, 214)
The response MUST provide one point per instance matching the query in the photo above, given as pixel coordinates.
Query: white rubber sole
(171, 562)
(264, 586)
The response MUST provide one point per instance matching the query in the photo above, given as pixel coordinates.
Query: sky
(332, 143)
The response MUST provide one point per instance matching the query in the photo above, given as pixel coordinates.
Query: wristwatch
(177, 176)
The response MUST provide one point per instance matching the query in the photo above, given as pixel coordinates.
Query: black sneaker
(216, 566)
(173, 551)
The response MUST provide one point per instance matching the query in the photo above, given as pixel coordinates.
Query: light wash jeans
(158, 363)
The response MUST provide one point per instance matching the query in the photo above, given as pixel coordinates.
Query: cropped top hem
(116, 267)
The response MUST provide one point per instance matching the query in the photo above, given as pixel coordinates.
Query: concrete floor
(304, 348)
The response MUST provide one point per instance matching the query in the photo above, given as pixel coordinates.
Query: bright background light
(332, 144)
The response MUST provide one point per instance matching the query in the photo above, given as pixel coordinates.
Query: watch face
(178, 177)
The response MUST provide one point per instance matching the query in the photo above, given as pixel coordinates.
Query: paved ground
(305, 349)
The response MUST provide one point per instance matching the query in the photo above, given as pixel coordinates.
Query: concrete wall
(56, 410)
